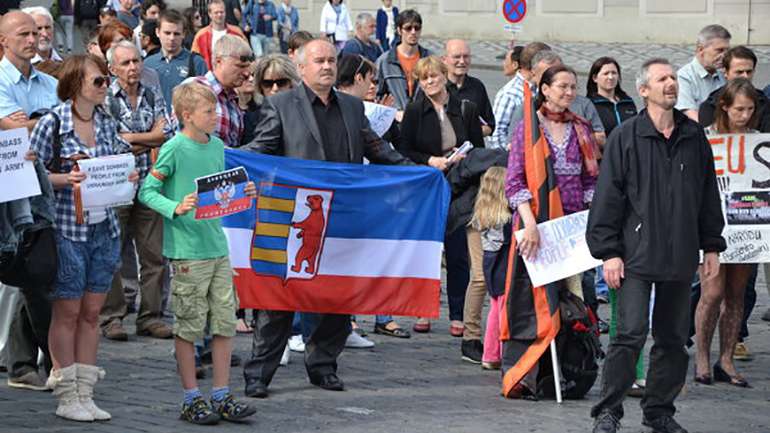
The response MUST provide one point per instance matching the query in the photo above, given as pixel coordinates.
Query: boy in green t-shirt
(202, 288)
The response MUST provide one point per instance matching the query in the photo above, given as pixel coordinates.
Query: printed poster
(222, 194)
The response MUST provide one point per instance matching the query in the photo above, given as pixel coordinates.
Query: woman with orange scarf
(552, 172)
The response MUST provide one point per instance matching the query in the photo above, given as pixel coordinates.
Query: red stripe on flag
(338, 294)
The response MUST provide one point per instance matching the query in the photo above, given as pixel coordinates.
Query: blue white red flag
(339, 238)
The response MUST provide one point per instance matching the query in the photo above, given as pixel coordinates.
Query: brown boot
(114, 331)
(156, 329)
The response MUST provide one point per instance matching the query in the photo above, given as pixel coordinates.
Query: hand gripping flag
(339, 238)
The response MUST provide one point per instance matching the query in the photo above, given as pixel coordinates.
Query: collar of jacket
(596, 98)
(393, 54)
(685, 127)
(452, 106)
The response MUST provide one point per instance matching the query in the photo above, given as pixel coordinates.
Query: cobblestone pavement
(414, 385)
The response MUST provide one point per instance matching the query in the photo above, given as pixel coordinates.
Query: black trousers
(457, 272)
(272, 330)
(29, 331)
(668, 357)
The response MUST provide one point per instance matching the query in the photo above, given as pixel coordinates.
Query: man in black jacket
(656, 205)
(311, 121)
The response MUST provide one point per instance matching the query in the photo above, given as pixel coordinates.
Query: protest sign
(742, 165)
(106, 183)
(222, 194)
(17, 175)
(380, 117)
(563, 250)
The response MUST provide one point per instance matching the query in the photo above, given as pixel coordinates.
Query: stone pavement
(414, 385)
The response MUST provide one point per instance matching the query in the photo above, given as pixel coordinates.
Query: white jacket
(330, 24)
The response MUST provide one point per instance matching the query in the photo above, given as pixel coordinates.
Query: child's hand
(189, 203)
(250, 190)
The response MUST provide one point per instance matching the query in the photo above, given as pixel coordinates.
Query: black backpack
(578, 349)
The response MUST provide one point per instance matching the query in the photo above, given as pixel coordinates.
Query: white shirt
(340, 26)
(54, 56)
(215, 36)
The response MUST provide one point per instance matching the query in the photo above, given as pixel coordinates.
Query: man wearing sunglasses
(394, 68)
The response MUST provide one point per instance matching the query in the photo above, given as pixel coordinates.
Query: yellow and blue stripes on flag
(275, 209)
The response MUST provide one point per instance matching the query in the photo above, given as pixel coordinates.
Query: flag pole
(556, 371)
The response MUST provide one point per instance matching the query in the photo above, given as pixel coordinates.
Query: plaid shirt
(510, 97)
(230, 126)
(140, 120)
(108, 142)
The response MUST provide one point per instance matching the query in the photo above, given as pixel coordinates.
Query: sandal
(720, 375)
(398, 332)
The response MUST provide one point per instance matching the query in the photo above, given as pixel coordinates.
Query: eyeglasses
(281, 82)
(247, 58)
(414, 27)
(101, 81)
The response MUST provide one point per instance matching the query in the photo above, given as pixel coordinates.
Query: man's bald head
(457, 59)
(18, 36)
(14, 19)
(457, 45)
(317, 62)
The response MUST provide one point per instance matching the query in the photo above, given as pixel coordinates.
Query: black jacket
(656, 204)
(706, 110)
(613, 114)
(421, 130)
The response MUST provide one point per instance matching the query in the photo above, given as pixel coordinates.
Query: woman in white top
(335, 23)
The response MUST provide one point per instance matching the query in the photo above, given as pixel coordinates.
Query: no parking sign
(514, 10)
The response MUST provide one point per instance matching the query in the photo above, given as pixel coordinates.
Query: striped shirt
(507, 100)
(230, 125)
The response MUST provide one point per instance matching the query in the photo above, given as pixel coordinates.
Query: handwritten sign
(222, 194)
(742, 166)
(380, 117)
(17, 175)
(563, 250)
(106, 183)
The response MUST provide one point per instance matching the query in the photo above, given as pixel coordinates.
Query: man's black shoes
(606, 422)
(255, 388)
(472, 351)
(663, 424)
(329, 382)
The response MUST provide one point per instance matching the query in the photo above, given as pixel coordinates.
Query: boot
(64, 383)
(88, 375)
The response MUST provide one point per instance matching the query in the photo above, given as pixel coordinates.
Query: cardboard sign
(380, 117)
(222, 194)
(563, 250)
(106, 183)
(17, 175)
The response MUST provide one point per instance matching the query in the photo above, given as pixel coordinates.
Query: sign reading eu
(514, 10)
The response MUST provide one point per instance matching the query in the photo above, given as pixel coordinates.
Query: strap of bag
(55, 165)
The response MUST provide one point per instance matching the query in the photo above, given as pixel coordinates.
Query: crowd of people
(156, 83)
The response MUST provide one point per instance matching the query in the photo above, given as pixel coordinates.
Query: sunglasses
(101, 81)
(281, 82)
(248, 58)
(416, 28)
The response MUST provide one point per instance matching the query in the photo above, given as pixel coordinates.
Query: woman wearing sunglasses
(88, 241)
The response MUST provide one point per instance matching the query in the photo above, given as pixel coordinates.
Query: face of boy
(204, 117)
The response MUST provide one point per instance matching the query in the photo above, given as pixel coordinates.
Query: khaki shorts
(202, 292)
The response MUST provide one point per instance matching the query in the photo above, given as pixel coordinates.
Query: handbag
(35, 262)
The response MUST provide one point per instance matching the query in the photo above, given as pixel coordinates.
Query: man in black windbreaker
(656, 205)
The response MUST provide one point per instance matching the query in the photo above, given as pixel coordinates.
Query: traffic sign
(514, 10)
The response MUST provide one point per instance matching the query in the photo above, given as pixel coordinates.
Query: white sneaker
(296, 344)
(285, 356)
(356, 341)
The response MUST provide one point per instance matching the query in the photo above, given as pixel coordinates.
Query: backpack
(578, 349)
(191, 65)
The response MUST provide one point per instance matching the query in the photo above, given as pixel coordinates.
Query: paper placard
(17, 175)
(562, 251)
(380, 117)
(222, 194)
(106, 183)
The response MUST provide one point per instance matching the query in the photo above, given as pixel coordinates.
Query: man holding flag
(312, 122)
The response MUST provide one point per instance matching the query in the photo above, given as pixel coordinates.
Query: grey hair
(299, 55)
(643, 76)
(38, 10)
(279, 64)
(547, 56)
(231, 45)
(711, 32)
(122, 44)
(363, 18)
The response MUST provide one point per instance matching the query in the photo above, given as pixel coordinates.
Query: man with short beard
(44, 22)
(702, 75)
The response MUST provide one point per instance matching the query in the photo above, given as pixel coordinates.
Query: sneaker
(606, 422)
(741, 352)
(230, 409)
(637, 389)
(356, 341)
(472, 351)
(198, 412)
(285, 357)
(296, 344)
(30, 380)
(663, 424)
(602, 299)
(491, 365)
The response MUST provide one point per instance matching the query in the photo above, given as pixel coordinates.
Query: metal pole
(556, 371)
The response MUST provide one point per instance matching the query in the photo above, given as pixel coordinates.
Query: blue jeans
(260, 44)
(601, 286)
(378, 319)
(86, 266)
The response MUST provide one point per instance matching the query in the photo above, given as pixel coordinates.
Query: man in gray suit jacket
(311, 121)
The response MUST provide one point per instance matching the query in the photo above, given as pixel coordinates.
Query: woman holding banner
(88, 241)
(722, 297)
(552, 157)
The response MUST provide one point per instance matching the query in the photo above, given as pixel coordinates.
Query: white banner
(563, 250)
(17, 175)
(380, 117)
(106, 183)
(742, 165)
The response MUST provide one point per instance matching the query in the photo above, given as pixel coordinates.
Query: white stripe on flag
(358, 257)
